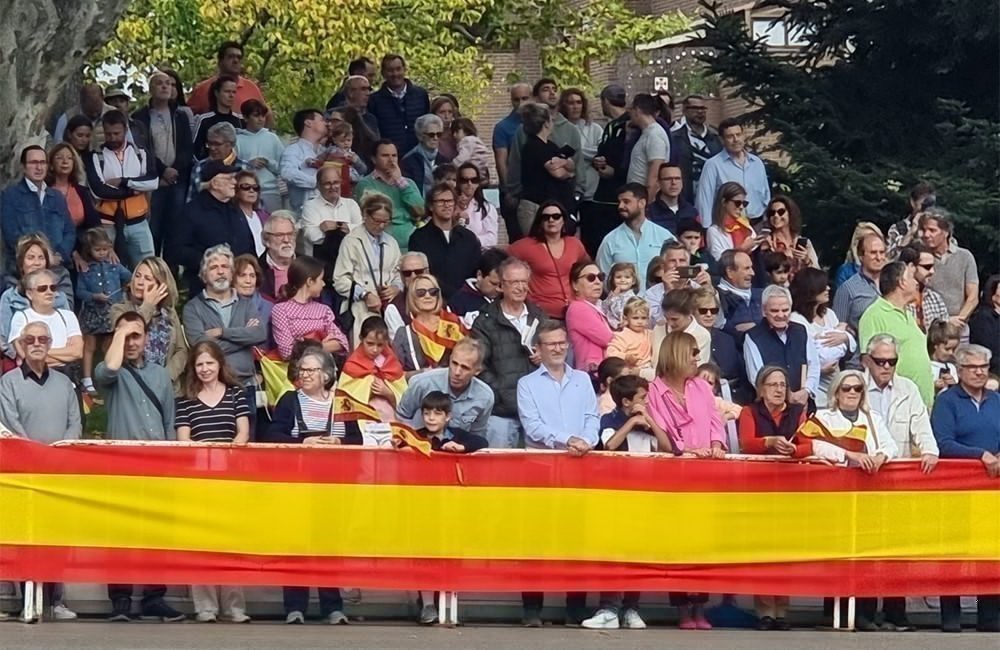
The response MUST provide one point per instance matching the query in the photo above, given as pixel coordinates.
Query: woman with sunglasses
(41, 287)
(587, 326)
(730, 227)
(248, 200)
(811, 308)
(478, 214)
(426, 342)
(848, 431)
(725, 354)
(785, 221)
(551, 253)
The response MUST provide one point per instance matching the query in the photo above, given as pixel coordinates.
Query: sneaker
(238, 617)
(429, 615)
(4, 616)
(781, 624)
(604, 619)
(687, 623)
(206, 617)
(28, 621)
(337, 617)
(701, 623)
(864, 625)
(160, 609)
(120, 610)
(62, 613)
(531, 619)
(765, 623)
(632, 621)
(295, 618)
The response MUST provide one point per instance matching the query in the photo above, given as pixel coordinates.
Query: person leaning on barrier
(769, 424)
(966, 423)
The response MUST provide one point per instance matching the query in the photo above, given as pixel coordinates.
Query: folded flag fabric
(361, 371)
(852, 439)
(440, 341)
(404, 436)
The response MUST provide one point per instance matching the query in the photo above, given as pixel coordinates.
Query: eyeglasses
(46, 288)
(927, 267)
(37, 162)
(40, 340)
(780, 212)
(246, 187)
(591, 277)
(309, 371)
(853, 388)
(433, 292)
(705, 311)
(281, 235)
(211, 144)
(776, 384)
(407, 273)
(443, 201)
(885, 363)
(741, 204)
(975, 367)
(552, 216)
(433, 134)
(465, 180)
(554, 344)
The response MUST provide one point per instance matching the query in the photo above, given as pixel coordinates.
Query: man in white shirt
(651, 150)
(327, 217)
(301, 158)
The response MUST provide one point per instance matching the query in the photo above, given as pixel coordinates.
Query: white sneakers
(607, 619)
(62, 613)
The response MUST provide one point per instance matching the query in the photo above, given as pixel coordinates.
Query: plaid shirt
(929, 308)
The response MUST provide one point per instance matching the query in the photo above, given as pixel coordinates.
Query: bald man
(503, 138)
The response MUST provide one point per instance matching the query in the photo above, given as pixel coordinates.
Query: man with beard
(279, 240)
(220, 314)
(637, 240)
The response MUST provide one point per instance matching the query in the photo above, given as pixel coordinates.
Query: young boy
(692, 235)
(607, 371)
(436, 411)
(629, 427)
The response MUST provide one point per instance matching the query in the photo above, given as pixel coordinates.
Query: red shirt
(549, 287)
(245, 89)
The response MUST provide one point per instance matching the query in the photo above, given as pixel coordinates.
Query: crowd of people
(655, 296)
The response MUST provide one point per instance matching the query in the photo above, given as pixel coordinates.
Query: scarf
(439, 342)
(745, 294)
(738, 228)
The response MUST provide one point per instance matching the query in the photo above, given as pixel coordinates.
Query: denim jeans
(504, 433)
(165, 210)
(296, 599)
(138, 243)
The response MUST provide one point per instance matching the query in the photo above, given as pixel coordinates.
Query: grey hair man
(220, 141)
(280, 233)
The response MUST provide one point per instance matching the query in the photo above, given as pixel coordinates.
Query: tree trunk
(43, 44)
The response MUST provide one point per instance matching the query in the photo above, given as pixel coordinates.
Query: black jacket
(691, 161)
(284, 417)
(505, 360)
(412, 166)
(467, 298)
(451, 261)
(183, 147)
(396, 117)
(612, 147)
(208, 222)
(470, 441)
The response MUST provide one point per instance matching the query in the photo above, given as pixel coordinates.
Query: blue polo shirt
(963, 428)
(503, 132)
(620, 245)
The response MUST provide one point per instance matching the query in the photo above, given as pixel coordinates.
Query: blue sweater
(963, 429)
(396, 117)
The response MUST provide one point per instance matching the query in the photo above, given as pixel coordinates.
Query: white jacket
(877, 441)
(909, 423)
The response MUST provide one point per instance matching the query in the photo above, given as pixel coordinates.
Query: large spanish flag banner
(396, 519)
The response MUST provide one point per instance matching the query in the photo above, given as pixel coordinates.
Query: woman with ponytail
(300, 315)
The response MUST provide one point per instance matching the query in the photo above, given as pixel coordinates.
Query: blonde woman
(851, 263)
(426, 342)
(153, 294)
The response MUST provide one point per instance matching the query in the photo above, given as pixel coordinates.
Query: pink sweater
(589, 333)
(697, 426)
(292, 321)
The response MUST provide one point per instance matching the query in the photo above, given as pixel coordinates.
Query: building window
(776, 33)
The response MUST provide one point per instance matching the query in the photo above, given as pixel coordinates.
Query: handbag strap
(555, 265)
(300, 420)
(144, 387)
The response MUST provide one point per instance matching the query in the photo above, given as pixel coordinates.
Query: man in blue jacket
(30, 206)
(398, 104)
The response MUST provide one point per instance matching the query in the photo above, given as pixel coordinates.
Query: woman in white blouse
(848, 431)
(810, 290)
(475, 212)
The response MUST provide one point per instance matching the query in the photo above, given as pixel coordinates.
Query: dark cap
(213, 168)
(615, 95)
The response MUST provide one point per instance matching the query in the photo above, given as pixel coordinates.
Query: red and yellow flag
(852, 439)
(360, 373)
(435, 344)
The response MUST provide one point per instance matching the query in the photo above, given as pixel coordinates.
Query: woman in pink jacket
(683, 405)
(588, 328)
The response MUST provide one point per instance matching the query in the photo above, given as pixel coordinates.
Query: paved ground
(267, 635)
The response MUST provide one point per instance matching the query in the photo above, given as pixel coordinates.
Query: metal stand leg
(850, 613)
(453, 614)
(836, 613)
(442, 613)
(33, 602)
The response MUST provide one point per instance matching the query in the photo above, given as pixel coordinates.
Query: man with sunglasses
(888, 315)
(966, 423)
(929, 305)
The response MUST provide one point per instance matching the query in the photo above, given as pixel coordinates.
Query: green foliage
(883, 94)
(299, 49)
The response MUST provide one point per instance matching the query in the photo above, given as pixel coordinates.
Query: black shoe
(161, 610)
(889, 626)
(864, 625)
(781, 624)
(120, 610)
(765, 623)
(988, 627)
(531, 619)
(951, 627)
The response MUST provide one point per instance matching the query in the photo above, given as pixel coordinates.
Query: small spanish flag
(348, 409)
(404, 436)
(852, 439)
(437, 343)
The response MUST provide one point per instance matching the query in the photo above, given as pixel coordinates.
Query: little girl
(372, 374)
(942, 341)
(97, 288)
(623, 284)
(342, 137)
(712, 373)
(634, 343)
(470, 147)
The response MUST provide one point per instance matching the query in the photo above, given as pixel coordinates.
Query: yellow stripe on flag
(490, 522)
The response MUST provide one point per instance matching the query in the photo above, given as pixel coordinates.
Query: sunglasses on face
(40, 340)
(739, 204)
(433, 292)
(246, 187)
(433, 134)
(856, 388)
(927, 267)
(777, 212)
(591, 277)
(413, 272)
(46, 288)
(552, 216)
(465, 180)
(885, 363)
(705, 311)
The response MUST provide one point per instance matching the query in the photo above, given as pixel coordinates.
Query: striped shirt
(316, 417)
(213, 423)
